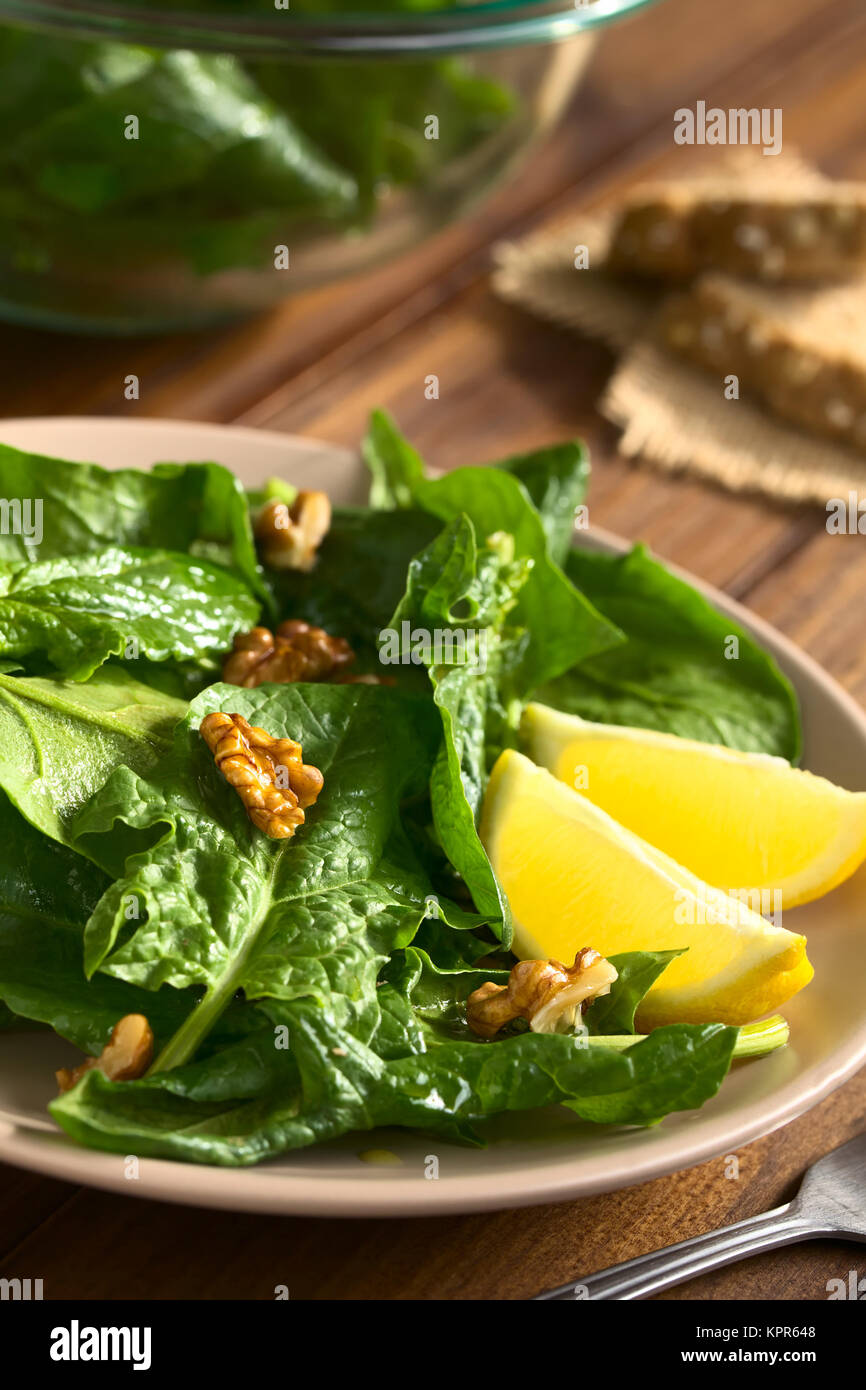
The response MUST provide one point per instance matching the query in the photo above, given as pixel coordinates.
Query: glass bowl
(173, 165)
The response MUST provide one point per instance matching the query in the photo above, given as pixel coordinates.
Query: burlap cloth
(670, 414)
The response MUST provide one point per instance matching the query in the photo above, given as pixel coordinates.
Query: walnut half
(548, 994)
(289, 536)
(126, 1056)
(297, 651)
(268, 774)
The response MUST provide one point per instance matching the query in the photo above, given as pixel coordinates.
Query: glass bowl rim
(491, 24)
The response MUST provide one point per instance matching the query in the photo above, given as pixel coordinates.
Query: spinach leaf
(229, 909)
(451, 946)
(412, 1062)
(452, 617)
(430, 996)
(440, 1082)
(359, 577)
(675, 1068)
(637, 971)
(368, 116)
(556, 479)
(462, 587)
(42, 979)
(531, 497)
(41, 72)
(253, 1102)
(73, 613)
(60, 740)
(673, 673)
(562, 626)
(438, 991)
(395, 467)
(230, 154)
(181, 680)
(205, 124)
(57, 508)
(46, 896)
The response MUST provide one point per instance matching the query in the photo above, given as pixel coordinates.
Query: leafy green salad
(307, 980)
(228, 157)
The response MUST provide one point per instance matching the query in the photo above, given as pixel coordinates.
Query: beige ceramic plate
(541, 1158)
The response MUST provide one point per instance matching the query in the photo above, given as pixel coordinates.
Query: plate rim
(369, 1194)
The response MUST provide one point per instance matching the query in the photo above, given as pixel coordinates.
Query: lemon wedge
(574, 878)
(745, 822)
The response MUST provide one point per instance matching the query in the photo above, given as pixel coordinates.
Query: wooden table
(507, 383)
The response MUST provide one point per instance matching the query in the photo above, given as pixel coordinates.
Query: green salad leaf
(56, 508)
(230, 157)
(368, 116)
(679, 670)
(41, 72)
(497, 616)
(72, 613)
(60, 740)
(637, 972)
(258, 1099)
(556, 479)
(359, 576)
(206, 125)
(395, 467)
(306, 988)
(561, 624)
(452, 618)
(46, 895)
(226, 908)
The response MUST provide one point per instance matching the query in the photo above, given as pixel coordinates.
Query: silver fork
(831, 1202)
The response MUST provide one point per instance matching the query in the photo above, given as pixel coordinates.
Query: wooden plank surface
(317, 366)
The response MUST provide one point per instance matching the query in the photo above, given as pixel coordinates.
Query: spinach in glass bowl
(214, 162)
